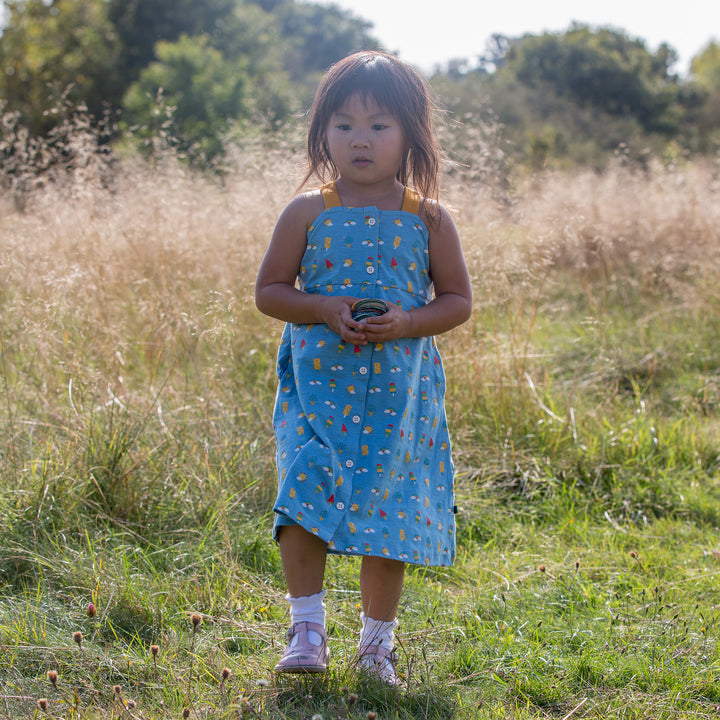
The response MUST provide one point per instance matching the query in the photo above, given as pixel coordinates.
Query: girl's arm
(452, 303)
(275, 291)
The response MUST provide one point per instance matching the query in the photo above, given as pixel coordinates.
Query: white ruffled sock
(377, 632)
(308, 608)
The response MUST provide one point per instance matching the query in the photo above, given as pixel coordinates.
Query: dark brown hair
(398, 90)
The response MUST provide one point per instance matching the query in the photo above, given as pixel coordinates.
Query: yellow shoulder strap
(411, 201)
(331, 198)
(330, 195)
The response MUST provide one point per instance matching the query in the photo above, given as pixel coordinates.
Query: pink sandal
(380, 664)
(302, 656)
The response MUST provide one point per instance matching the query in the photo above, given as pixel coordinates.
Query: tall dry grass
(159, 265)
(139, 293)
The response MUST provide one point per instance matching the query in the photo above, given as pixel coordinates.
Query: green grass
(137, 461)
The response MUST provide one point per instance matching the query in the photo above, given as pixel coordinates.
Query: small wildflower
(541, 568)
(186, 713)
(262, 683)
(317, 717)
(42, 704)
(371, 715)
(352, 699)
(577, 564)
(78, 638)
(225, 673)
(52, 677)
(633, 555)
(196, 621)
(91, 612)
(154, 650)
(131, 704)
(117, 689)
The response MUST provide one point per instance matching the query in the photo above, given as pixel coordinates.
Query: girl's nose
(360, 140)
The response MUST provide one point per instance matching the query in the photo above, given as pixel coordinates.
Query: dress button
(349, 463)
(370, 270)
(356, 419)
(371, 221)
(363, 370)
(340, 506)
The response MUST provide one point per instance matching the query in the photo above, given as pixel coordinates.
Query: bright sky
(430, 32)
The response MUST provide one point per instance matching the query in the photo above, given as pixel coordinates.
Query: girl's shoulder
(434, 214)
(310, 203)
(304, 208)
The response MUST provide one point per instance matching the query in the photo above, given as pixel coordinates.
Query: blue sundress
(363, 450)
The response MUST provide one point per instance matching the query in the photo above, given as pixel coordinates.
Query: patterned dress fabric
(363, 451)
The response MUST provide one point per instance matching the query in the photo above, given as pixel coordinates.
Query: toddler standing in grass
(363, 451)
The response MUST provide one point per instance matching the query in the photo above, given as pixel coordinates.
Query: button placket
(366, 246)
(371, 265)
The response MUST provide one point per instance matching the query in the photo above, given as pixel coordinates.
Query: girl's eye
(379, 126)
(343, 126)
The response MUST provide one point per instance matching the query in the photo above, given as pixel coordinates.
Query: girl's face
(365, 142)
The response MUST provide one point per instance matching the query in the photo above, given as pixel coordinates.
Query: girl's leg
(381, 584)
(303, 557)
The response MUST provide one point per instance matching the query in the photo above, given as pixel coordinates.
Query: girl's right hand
(336, 314)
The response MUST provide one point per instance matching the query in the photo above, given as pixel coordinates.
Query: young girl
(363, 451)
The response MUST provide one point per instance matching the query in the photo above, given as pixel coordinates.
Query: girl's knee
(383, 565)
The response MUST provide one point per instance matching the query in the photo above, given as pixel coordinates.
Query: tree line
(194, 71)
(188, 68)
(576, 96)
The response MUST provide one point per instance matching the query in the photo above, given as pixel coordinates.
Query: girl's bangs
(370, 84)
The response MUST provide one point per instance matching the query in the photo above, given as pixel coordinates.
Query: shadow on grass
(344, 693)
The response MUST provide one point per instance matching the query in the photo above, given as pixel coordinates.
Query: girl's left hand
(391, 325)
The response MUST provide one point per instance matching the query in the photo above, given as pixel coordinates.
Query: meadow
(138, 578)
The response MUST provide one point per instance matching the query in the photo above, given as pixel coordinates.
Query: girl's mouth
(361, 162)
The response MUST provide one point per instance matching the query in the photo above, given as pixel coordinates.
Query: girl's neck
(384, 196)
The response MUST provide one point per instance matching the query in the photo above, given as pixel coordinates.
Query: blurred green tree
(705, 67)
(571, 97)
(207, 63)
(61, 49)
(703, 98)
(140, 24)
(603, 68)
(188, 96)
(319, 35)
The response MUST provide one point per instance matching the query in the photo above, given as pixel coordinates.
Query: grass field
(138, 578)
